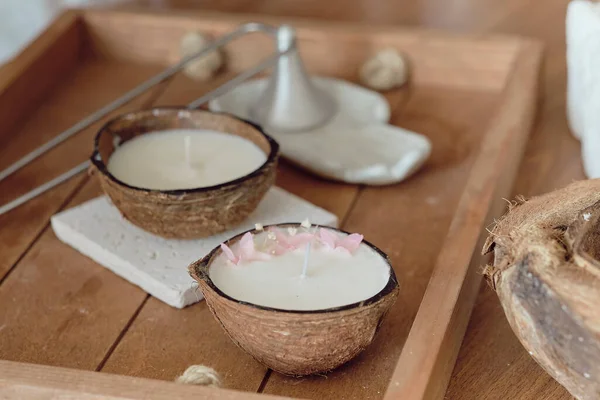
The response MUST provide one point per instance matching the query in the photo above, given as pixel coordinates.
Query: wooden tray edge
(328, 25)
(20, 381)
(473, 62)
(430, 351)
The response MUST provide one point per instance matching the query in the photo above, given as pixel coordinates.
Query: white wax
(184, 159)
(334, 279)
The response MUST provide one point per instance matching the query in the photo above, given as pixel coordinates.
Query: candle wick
(305, 266)
(188, 157)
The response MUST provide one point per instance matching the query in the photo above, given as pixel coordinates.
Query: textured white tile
(158, 265)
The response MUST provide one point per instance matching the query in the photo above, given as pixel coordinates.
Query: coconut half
(546, 272)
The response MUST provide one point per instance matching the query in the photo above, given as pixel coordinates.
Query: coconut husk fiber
(546, 273)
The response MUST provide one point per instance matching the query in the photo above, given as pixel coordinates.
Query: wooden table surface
(492, 364)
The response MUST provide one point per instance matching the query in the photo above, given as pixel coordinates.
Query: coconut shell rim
(98, 162)
(199, 271)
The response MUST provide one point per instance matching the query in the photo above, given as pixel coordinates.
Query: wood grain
(92, 85)
(63, 313)
(152, 346)
(37, 382)
(437, 59)
(425, 365)
(163, 342)
(491, 364)
(52, 305)
(378, 224)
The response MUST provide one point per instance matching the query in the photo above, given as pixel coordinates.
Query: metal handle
(252, 27)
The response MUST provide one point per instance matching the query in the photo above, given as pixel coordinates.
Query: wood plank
(408, 221)
(89, 87)
(162, 342)
(62, 309)
(20, 381)
(54, 303)
(504, 361)
(37, 70)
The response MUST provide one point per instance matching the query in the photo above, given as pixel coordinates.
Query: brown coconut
(296, 343)
(546, 273)
(186, 213)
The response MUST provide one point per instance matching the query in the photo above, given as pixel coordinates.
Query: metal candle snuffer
(318, 340)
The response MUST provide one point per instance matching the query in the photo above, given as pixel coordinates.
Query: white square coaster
(157, 265)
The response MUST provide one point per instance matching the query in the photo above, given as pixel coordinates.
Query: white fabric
(22, 20)
(583, 93)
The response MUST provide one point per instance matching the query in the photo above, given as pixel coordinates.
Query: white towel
(22, 20)
(583, 90)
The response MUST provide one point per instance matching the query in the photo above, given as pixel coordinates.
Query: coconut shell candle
(301, 300)
(182, 173)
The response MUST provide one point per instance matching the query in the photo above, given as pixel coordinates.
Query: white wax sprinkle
(258, 227)
(292, 231)
(587, 216)
(306, 223)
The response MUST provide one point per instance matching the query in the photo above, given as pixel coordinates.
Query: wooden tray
(473, 97)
